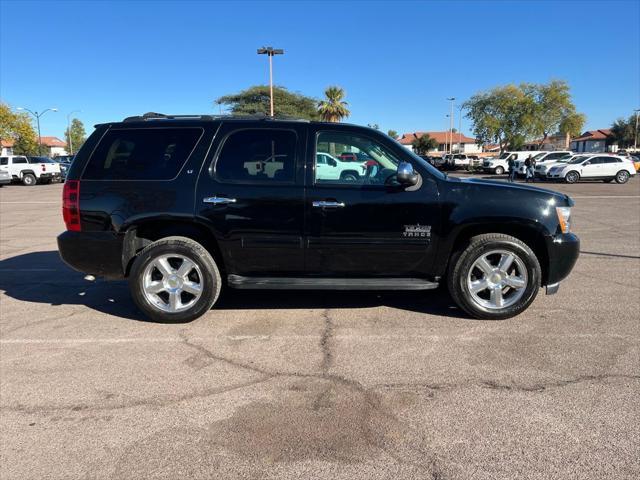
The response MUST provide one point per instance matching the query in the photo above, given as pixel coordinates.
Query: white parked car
(595, 167)
(30, 170)
(329, 167)
(500, 165)
(542, 169)
(539, 157)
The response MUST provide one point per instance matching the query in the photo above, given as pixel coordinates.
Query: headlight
(564, 218)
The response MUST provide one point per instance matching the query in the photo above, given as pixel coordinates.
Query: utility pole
(270, 52)
(69, 130)
(451, 100)
(635, 138)
(37, 117)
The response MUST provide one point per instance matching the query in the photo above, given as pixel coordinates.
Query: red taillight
(44, 168)
(71, 205)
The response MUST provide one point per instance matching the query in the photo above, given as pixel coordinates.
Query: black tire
(462, 262)
(29, 180)
(622, 177)
(572, 177)
(499, 171)
(349, 177)
(211, 280)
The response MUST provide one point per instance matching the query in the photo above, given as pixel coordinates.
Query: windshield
(503, 156)
(539, 156)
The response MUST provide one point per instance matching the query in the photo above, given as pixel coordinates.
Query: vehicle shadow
(42, 277)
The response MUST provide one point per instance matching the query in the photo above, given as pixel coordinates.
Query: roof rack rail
(162, 116)
(256, 116)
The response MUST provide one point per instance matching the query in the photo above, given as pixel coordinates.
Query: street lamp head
(54, 109)
(270, 51)
(451, 99)
(20, 108)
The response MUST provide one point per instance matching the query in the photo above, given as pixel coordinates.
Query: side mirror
(406, 174)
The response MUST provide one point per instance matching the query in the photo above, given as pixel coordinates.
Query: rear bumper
(563, 251)
(96, 253)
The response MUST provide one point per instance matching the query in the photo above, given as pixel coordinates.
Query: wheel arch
(138, 235)
(531, 233)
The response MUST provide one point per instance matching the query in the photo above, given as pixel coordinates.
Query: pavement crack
(326, 342)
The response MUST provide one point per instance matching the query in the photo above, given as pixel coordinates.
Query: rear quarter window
(142, 154)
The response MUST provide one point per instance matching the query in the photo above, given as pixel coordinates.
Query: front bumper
(563, 251)
(96, 253)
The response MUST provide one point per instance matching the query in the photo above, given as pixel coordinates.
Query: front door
(364, 224)
(250, 195)
(592, 168)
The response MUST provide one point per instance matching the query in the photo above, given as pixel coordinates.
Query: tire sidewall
(28, 180)
(499, 171)
(572, 177)
(211, 280)
(626, 177)
(470, 255)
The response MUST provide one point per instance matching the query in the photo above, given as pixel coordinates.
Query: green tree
(17, 127)
(509, 114)
(392, 133)
(571, 126)
(256, 100)
(333, 108)
(551, 107)
(624, 131)
(423, 144)
(500, 115)
(75, 136)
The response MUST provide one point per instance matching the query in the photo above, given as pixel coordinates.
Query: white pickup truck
(30, 170)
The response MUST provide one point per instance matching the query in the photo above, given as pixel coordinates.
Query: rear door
(250, 194)
(366, 226)
(611, 166)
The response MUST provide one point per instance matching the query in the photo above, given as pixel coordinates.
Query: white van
(540, 157)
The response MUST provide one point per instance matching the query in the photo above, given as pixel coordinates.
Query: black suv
(182, 205)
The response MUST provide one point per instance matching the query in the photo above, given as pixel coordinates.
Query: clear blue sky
(398, 61)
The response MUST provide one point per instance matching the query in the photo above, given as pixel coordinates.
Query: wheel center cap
(174, 281)
(495, 278)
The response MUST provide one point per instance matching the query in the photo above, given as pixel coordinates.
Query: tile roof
(7, 143)
(52, 142)
(601, 134)
(440, 137)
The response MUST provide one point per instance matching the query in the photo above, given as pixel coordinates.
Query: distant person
(528, 165)
(512, 169)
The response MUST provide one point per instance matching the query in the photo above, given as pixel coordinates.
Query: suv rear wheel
(622, 176)
(499, 171)
(495, 277)
(174, 280)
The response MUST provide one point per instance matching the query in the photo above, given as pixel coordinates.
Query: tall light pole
(37, 116)
(635, 138)
(69, 129)
(460, 107)
(270, 52)
(451, 100)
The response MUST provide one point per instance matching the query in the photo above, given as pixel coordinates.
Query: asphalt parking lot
(319, 385)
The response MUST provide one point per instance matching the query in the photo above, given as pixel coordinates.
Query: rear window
(142, 154)
(4, 161)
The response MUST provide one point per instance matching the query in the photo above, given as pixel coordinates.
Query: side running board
(306, 283)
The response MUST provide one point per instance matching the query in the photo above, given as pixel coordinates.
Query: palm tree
(334, 108)
(423, 144)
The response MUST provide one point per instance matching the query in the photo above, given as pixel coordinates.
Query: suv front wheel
(495, 277)
(174, 280)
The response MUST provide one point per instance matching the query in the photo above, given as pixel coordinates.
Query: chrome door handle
(218, 200)
(326, 204)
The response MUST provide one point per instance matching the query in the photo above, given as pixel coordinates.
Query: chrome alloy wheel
(497, 279)
(172, 283)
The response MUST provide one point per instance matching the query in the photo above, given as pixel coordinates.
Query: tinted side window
(19, 160)
(4, 161)
(610, 160)
(142, 154)
(257, 156)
